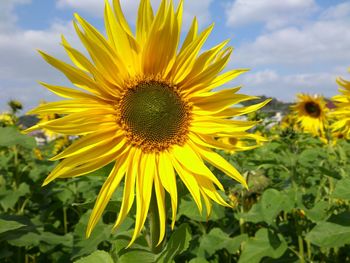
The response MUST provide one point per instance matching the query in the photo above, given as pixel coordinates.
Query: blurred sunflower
(310, 113)
(242, 142)
(147, 106)
(6, 119)
(288, 122)
(341, 112)
(45, 117)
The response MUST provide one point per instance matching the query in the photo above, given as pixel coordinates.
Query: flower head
(311, 113)
(6, 119)
(147, 106)
(341, 112)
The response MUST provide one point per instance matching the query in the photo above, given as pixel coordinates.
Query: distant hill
(28, 120)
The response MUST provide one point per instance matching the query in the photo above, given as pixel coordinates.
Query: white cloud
(337, 12)
(293, 46)
(284, 86)
(323, 41)
(22, 66)
(7, 17)
(95, 8)
(272, 13)
(303, 58)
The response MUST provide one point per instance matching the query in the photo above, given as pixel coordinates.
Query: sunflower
(242, 142)
(6, 119)
(147, 106)
(341, 112)
(311, 113)
(45, 117)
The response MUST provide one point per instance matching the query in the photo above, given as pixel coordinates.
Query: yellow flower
(341, 113)
(147, 106)
(60, 143)
(45, 117)
(38, 154)
(288, 121)
(241, 142)
(311, 113)
(6, 119)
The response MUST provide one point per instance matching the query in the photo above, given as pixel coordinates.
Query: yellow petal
(191, 35)
(188, 158)
(125, 45)
(129, 185)
(99, 139)
(68, 92)
(144, 183)
(219, 100)
(144, 21)
(73, 106)
(99, 75)
(104, 57)
(168, 180)
(219, 162)
(186, 58)
(120, 16)
(108, 188)
(160, 196)
(190, 182)
(107, 154)
(209, 74)
(77, 76)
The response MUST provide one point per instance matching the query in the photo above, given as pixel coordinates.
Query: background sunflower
(341, 112)
(310, 112)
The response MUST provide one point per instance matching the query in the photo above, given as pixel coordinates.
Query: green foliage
(11, 136)
(97, 256)
(296, 209)
(264, 244)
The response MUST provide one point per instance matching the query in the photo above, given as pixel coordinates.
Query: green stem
(154, 225)
(308, 247)
(65, 222)
(15, 163)
(301, 249)
(241, 220)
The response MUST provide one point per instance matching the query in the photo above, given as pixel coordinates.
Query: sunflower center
(154, 115)
(313, 109)
(233, 140)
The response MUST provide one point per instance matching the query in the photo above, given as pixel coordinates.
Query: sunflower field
(295, 210)
(150, 158)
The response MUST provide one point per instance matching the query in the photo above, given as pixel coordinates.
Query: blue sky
(290, 46)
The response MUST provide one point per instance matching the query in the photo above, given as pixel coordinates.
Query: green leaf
(10, 136)
(269, 206)
(9, 198)
(341, 219)
(28, 239)
(264, 244)
(85, 246)
(137, 256)
(178, 243)
(53, 239)
(198, 260)
(327, 235)
(95, 257)
(308, 157)
(17, 233)
(341, 190)
(319, 212)
(216, 239)
(7, 225)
